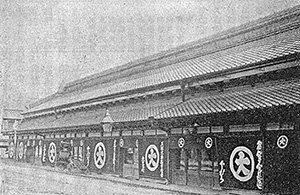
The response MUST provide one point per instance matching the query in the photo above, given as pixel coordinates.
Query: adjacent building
(10, 121)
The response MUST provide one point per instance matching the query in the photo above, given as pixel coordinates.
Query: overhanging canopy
(266, 95)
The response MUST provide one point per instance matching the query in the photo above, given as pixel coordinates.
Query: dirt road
(22, 179)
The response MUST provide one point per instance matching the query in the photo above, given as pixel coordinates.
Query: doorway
(130, 162)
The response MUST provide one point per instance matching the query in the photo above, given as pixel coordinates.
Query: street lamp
(107, 122)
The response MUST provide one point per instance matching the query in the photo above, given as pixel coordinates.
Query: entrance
(130, 163)
(194, 161)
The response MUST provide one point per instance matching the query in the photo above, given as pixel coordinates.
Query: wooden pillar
(296, 114)
(186, 162)
(169, 168)
(226, 128)
(263, 126)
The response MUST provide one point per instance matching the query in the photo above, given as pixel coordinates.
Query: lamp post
(107, 122)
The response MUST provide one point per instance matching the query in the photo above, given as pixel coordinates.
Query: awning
(266, 95)
(272, 94)
(119, 114)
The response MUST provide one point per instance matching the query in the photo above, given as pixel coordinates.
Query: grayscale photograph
(149, 97)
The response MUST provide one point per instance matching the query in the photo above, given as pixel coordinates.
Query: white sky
(48, 42)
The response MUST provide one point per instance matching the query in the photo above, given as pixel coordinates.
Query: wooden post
(168, 157)
(212, 162)
(263, 126)
(15, 144)
(186, 166)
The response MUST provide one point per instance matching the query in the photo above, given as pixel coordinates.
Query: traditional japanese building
(221, 111)
(10, 120)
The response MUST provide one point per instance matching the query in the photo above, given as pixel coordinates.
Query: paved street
(23, 180)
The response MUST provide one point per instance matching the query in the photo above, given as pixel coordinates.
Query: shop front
(29, 154)
(193, 160)
(129, 157)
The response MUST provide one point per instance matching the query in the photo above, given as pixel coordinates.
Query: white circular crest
(152, 157)
(121, 142)
(52, 152)
(181, 142)
(21, 150)
(208, 142)
(11, 150)
(282, 141)
(242, 163)
(99, 155)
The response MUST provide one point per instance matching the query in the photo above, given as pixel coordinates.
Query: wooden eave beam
(265, 67)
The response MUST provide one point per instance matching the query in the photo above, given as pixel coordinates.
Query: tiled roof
(268, 95)
(134, 112)
(93, 94)
(141, 112)
(204, 65)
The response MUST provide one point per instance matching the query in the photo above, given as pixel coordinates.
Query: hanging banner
(44, 150)
(114, 155)
(259, 166)
(101, 154)
(240, 162)
(20, 150)
(281, 162)
(152, 153)
(88, 156)
(50, 151)
(80, 150)
(11, 150)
